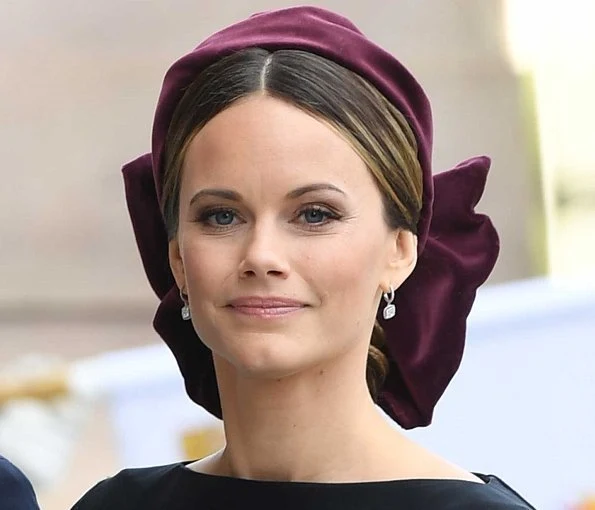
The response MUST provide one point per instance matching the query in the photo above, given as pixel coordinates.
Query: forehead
(265, 138)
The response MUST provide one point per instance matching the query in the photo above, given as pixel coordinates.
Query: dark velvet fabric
(457, 247)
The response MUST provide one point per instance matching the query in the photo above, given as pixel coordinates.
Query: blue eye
(315, 215)
(224, 217)
(217, 218)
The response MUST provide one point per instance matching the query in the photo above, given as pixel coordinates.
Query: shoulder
(128, 489)
(10, 475)
(15, 488)
(493, 494)
(445, 486)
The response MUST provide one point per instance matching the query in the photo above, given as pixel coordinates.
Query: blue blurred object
(16, 492)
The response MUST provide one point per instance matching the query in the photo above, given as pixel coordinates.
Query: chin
(267, 357)
(268, 365)
(266, 373)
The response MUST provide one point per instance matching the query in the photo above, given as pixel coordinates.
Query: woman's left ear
(402, 257)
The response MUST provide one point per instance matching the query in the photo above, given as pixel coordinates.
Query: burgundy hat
(457, 248)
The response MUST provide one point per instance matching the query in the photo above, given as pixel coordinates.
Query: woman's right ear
(176, 263)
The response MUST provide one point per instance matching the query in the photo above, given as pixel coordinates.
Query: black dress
(16, 492)
(175, 487)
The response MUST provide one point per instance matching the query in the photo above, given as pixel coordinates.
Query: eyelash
(205, 217)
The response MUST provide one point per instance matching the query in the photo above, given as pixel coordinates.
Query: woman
(288, 192)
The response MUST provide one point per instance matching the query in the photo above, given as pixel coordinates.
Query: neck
(321, 426)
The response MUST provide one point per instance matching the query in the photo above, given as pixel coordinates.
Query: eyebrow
(296, 193)
(228, 194)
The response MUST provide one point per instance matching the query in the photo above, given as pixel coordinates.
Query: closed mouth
(259, 306)
(265, 302)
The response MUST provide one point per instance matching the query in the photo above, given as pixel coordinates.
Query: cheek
(207, 266)
(346, 272)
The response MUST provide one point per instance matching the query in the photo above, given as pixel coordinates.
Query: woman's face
(282, 246)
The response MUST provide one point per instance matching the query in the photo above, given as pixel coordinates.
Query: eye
(223, 217)
(217, 218)
(317, 215)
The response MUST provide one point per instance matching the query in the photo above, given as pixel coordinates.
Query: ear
(176, 263)
(401, 258)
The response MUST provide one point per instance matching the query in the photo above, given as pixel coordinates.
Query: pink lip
(265, 307)
(265, 302)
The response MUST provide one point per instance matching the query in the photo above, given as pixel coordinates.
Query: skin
(292, 383)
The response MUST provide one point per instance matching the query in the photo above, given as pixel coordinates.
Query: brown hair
(358, 111)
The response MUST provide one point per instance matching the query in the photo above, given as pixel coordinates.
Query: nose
(263, 254)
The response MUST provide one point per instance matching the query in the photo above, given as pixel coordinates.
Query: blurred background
(78, 85)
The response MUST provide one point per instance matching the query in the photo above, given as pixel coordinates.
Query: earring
(390, 310)
(185, 309)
